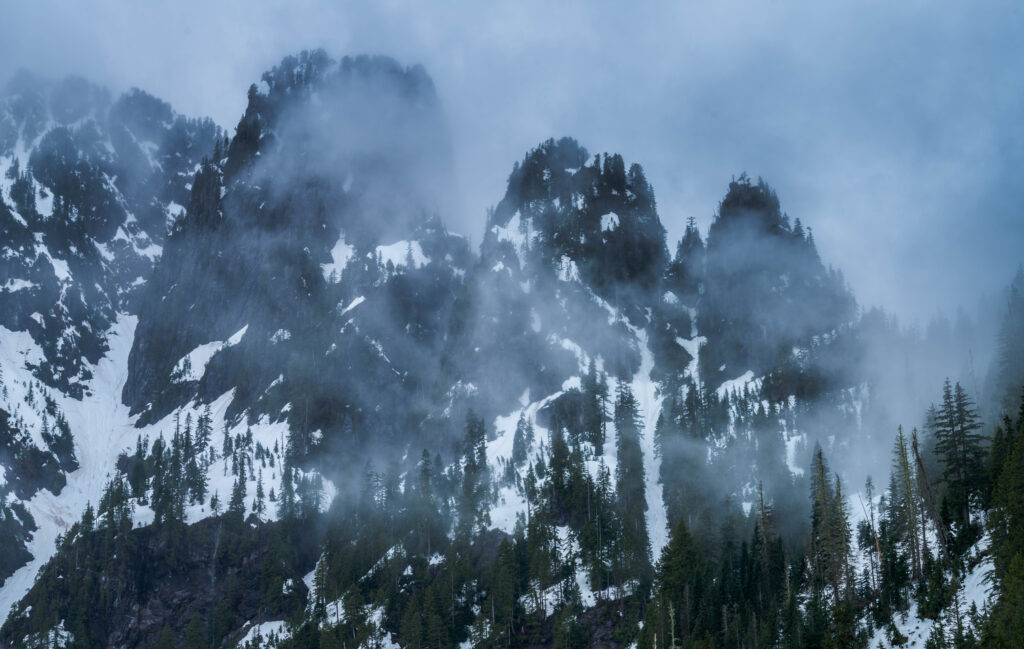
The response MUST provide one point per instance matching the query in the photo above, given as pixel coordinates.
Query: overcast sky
(895, 130)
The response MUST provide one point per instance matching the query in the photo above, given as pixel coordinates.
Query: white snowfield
(14, 285)
(512, 232)
(103, 428)
(192, 365)
(398, 252)
(735, 385)
(609, 221)
(264, 634)
(975, 590)
(340, 255)
(649, 401)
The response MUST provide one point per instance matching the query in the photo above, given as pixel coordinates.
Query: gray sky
(895, 130)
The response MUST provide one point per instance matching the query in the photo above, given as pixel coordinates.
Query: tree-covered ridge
(591, 212)
(305, 186)
(765, 288)
(410, 558)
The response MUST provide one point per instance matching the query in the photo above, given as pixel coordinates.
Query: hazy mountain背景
(254, 393)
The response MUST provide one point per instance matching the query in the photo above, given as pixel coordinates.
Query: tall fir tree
(959, 445)
(904, 499)
(634, 553)
(521, 440)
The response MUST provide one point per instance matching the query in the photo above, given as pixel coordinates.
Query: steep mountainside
(318, 252)
(253, 393)
(89, 187)
(572, 254)
(93, 186)
(766, 290)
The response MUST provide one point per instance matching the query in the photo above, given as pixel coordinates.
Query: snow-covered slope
(103, 430)
(89, 190)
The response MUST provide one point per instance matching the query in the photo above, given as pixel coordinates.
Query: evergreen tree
(473, 511)
(841, 542)
(321, 578)
(115, 508)
(559, 500)
(410, 261)
(176, 487)
(904, 501)
(521, 440)
(286, 502)
(137, 469)
(1005, 626)
(960, 447)
(765, 530)
(423, 509)
(503, 593)
(634, 554)
(163, 489)
(226, 448)
(830, 534)
(259, 505)
(236, 506)
(88, 518)
(310, 495)
(204, 429)
(1007, 377)
(195, 634)
(679, 594)
(929, 498)
(595, 394)
(1006, 518)
(166, 639)
(195, 479)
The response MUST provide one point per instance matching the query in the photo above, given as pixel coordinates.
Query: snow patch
(609, 221)
(735, 385)
(192, 365)
(567, 270)
(280, 335)
(353, 304)
(102, 428)
(340, 255)
(511, 504)
(60, 267)
(511, 232)
(791, 449)
(13, 285)
(398, 252)
(265, 634)
(645, 389)
(974, 590)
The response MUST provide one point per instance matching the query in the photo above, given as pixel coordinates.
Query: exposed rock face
(94, 186)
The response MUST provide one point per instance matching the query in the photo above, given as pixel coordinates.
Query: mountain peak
(368, 130)
(592, 213)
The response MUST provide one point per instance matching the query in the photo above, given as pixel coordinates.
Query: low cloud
(892, 130)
